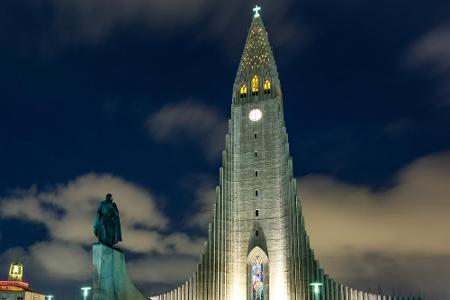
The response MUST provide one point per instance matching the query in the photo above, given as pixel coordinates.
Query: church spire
(257, 74)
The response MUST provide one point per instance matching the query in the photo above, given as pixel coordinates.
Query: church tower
(261, 182)
(258, 247)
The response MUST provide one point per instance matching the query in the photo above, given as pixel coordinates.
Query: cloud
(50, 260)
(92, 21)
(68, 211)
(363, 236)
(393, 237)
(53, 256)
(433, 52)
(153, 269)
(190, 121)
(96, 19)
(204, 199)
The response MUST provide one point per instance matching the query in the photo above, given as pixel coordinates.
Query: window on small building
(257, 232)
(256, 192)
(257, 212)
(267, 86)
(256, 154)
(256, 135)
(243, 90)
(256, 173)
(255, 85)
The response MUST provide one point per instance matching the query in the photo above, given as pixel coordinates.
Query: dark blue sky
(365, 85)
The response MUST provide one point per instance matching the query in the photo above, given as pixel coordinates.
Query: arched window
(258, 264)
(255, 85)
(243, 90)
(267, 86)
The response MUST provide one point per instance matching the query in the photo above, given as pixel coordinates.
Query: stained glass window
(258, 281)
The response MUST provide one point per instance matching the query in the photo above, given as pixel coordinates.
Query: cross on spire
(256, 10)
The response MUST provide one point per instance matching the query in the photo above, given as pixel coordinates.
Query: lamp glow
(49, 297)
(316, 287)
(85, 291)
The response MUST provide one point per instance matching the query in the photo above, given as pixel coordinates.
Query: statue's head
(109, 197)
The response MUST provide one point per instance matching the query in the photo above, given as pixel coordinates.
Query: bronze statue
(107, 223)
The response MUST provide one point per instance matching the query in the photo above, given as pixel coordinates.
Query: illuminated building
(258, 247)
(15, 288)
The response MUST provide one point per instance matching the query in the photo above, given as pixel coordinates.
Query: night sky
(132, 98)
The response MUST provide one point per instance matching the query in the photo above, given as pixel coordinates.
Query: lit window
(243, 90)
(255, 85)
(267, 86)
(15, 271)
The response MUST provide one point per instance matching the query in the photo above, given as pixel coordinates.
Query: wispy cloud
(432, 51)
(76, 22)
(204, 192)
(190, 121)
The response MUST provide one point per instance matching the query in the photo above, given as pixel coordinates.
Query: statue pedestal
(111, 280)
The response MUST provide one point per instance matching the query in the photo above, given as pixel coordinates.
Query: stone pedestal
(111, 281)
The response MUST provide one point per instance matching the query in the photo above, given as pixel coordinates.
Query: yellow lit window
(267, 86)
(255, 84)
(15, 271)
(243, 90)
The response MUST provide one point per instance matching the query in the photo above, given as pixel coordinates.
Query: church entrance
(258, 275)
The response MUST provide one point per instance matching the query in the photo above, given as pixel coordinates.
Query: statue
(107, 222)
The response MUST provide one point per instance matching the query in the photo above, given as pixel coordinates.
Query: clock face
(255, 115)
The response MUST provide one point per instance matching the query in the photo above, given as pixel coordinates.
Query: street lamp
(85, 291)
(316, 288)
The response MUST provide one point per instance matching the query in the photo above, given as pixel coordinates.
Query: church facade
(258, 247)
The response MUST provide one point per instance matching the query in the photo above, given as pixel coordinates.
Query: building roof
(13, 286)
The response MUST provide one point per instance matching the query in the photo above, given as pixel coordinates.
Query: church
(258, 247)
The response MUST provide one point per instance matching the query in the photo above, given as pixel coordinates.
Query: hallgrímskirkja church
(258, 247)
